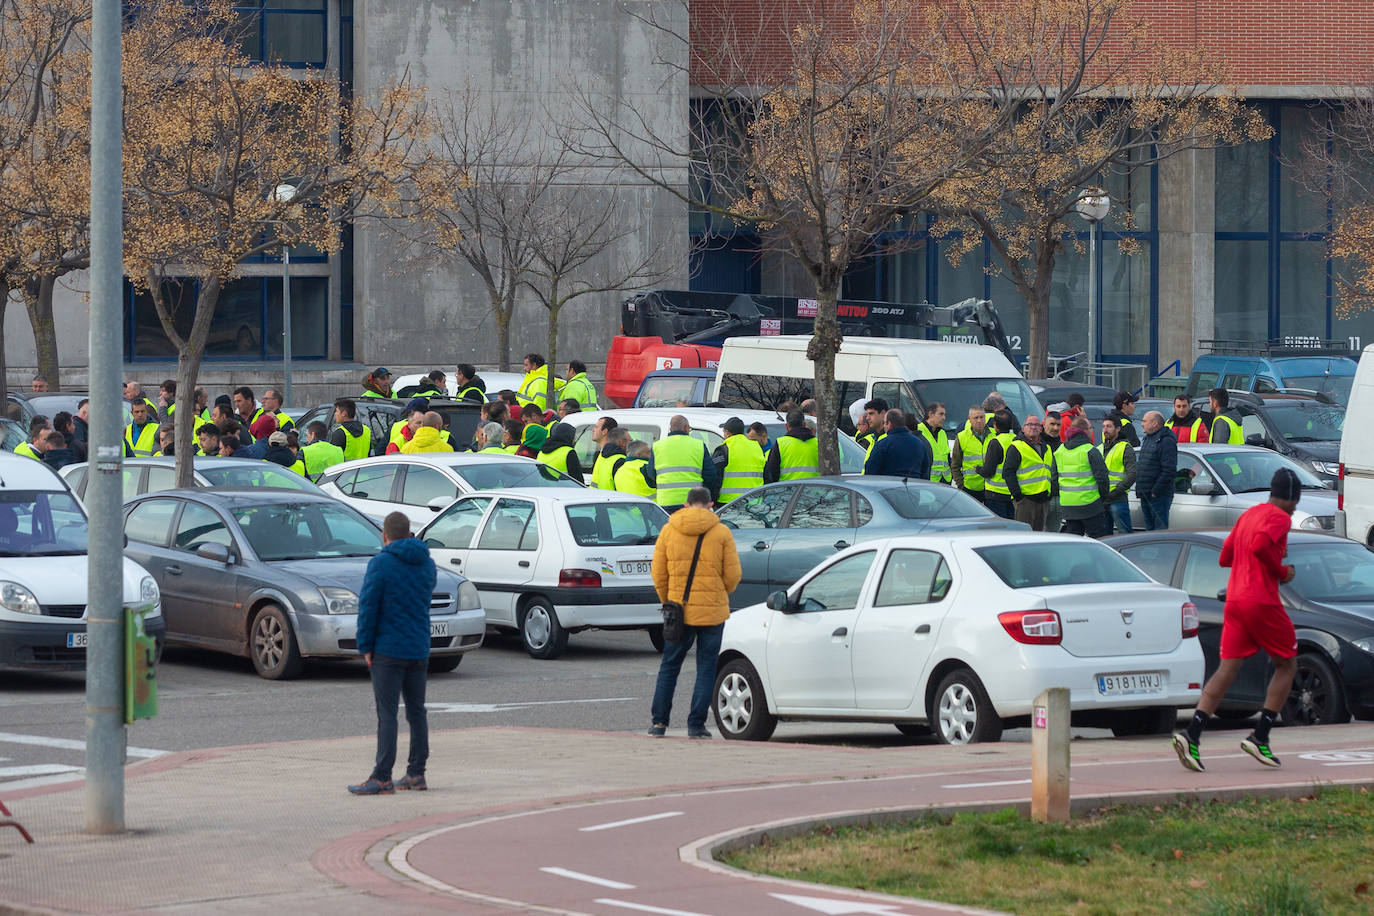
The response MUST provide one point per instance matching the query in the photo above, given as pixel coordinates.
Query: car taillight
(1037, 628)
(579, 578)
(1189, 619)
(1340, 486)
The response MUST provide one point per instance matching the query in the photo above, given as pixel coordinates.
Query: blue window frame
(290, 32)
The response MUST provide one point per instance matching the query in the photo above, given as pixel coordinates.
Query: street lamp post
(284, 194)
(1093, 205)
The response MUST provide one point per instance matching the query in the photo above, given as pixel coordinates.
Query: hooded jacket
(337, 437)
(1098, 466)
(532, 441)
(475, 382)
(426, 439)
(562, 436)
(393, 606)
(718, 569)
(279, 454)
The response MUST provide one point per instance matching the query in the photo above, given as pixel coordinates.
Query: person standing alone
(696, 565)
(393, 637)
(1253, 619)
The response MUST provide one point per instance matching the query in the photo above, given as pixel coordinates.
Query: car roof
(579, 495)
(708, 417)
(18, 472)
(866, 482)
(1217, 448)
(446, 459)
(973, 538)
(244, 496)
(1218, 535)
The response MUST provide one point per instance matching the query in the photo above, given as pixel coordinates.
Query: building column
(1187, 255)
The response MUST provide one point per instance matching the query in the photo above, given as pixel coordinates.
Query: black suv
(378, 415)
(1306, 429)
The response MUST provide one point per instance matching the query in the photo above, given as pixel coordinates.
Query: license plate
(1141, 682)
(438, 628)
(635, 567)
(76, 640)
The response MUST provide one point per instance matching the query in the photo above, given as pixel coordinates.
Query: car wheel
(963, 714)
(912, 730)
(540, 631)
(1155, 720)
(656, 637)
(1318, 696)
(273, 646)
(443, 664)
(741, 708)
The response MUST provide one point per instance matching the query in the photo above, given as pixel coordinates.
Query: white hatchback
(958, 633)
(551, 561)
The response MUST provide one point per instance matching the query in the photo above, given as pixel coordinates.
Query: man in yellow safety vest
(739, 461)
(933, 431)
(966, 454)
(1029, 473)
(795, 454)
(678, 462)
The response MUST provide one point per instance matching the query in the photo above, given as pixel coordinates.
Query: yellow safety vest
(677, 468)
(298, 466)
(939, 449)
(397, 438)
(357, 446)
(971, 451)
(1232, 431)
(798, 458)
(1193, 430)
(629, 478)
(743, 467)
(996, 483)
(495, 448)
(581, 391)
(1033, 475)
(1116, 463)
(319, 456)
(147, 439)
(284, 422)
(556, 459)
(28, 451)
(534, 388)
(462, 395)
(1077, 486)
(511, 449)
(603, 471)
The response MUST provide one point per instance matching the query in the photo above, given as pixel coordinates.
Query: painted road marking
(833, 907)
(70, 745)
(1340, 758)
(979, 785)
(590, 879)
(37, 769)
(499, 707)
(635, 820)
(645, 908)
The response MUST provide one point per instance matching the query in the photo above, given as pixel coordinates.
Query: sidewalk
(235, 830)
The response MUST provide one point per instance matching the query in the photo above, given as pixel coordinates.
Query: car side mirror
(1259, 440)
(439, 503)
(1204, 488)
(1221, 595)
(217, 553)
(777, 601)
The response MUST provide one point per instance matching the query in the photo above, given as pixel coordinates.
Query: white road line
(37, 769)
(502, 707)
(1351, 763)
(590, 879)
(979, 785)
(636, 820)
(644, 908)
(17, 784)
(70, 745)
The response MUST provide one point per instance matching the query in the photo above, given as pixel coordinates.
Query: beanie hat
(535, 436)
(415, 404)
(856, 410)
(1285, 485)
(263, 426)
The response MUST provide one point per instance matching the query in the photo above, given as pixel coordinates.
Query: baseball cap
(277, 438)
(415, 404)
(1122, 398)
(382, 370)
(734, 426)
(1285, 485)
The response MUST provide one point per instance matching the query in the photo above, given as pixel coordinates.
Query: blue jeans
(392, 680)
(1120, 516)
(708, 648)
(1000, 505)
(1156, 511)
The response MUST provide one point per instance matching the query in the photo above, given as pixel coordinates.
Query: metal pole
(1092, 303)
(286, 322)
(105, 737)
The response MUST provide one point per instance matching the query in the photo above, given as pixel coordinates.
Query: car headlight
(339, 600)
(1318, 523)
(148, 592)
(17, 598)
(468, 599)
(1366, 644)
(1329, 468)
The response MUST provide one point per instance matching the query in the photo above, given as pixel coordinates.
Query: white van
(759, 373)
(1355, 480)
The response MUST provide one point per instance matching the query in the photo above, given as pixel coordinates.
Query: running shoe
(1188, 753)
(657, 731)
(1252, 746)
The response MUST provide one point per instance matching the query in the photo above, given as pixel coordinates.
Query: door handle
(524, 563)
(923, 629)
(174, 570)
(841, 544)
(455, 561)
(761, 545)
(840, 631)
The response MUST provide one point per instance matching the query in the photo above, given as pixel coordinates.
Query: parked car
(378, 415)
(1355, 503)
(50, 403)
(670, 387)
(1054, 390)
(1288, 370)
(960, 632)
(1331, 603)
(403, 385)
(11, 434)
(553, 561)
(424, 485)
(17, 409)
(43, 572)
(782, 529)
(1216, 483)
(152, 475)
(1308, 430)
(275, 577)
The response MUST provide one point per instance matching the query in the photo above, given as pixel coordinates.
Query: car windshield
(41, 523)
(1026, 565)
(1252, 471)
(667, 391)
(498, 475)
(1304, 421)
(851, 453)
(959, 394)
(616, 524)
(13, 433)
(262, 474)
(1336, 387)
(1339, 572)
(920, 502)
(307, 531)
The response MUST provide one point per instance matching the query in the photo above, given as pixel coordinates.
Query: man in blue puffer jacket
(393, 637)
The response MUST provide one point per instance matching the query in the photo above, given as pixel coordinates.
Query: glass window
(258, 474)
(647, 434)
(838, 586)
(1300, 210)
(923, 502)
(905, 275)
(1156, 558)
(760, 509)
(1192, 472)
(160, 478)
(896, 394)
(309, 316)
(512, 525)
(1069, 301)
(1251, 472)
(1241, 290)
(585, 448)
(863, 510)
(761, 392)
(1308, 422)
(667, 391)
(200, 525)
(423, 484)
(1125, 321)
(709, 438)
(150, 521)
(307, 531)
(1203, 575)
(1338, 571)
(518, 472)
(34, 522)
(958, 282)
(76, 479)
(1038, 565)
(130, 479)
(1242, 188)
(1302, 288)
(615, 524)
(911, 578)
(821, 507)
(372, 483)
(458, 523)
(958, 395)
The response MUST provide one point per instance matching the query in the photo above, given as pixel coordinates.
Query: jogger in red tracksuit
(1254, 619)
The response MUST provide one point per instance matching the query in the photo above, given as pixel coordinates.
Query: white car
(496, 381)
(423, 485)
(960, 633)
(43, 563)
(649, 424)
(550, 561)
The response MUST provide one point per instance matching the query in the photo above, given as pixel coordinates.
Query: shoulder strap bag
(674, 628)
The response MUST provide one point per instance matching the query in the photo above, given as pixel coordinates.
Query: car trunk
(1115, 618)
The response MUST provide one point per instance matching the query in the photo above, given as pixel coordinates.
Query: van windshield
(41, 523)
(1335, 387)
(959, 394)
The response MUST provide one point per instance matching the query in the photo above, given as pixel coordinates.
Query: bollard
(1050, 755)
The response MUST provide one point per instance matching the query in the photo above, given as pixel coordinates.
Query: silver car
(152, 475)
(1216, 483)
(275, 576)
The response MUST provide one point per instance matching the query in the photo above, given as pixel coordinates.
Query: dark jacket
(393, 607)
(256, 450)
(560, 436)
(354, 427)
(1128, 427)
(1156, 463)
(279, 454)
(1098, 466)
(475, 382)
(81, 430)
(993, 457)
(709, 478)
(58, 458)
(1012, 465)
(900, 454)
(772, 465)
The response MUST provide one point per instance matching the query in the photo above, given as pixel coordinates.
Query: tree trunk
(1037, 294)
(825, 343)
(4, 365)
(188, 367)
(503, 318)
(38, 304)
(552, 355)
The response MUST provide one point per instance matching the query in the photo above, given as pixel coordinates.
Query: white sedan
(959, 633)
(550, 561)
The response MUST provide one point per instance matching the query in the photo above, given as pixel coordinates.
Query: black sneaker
(698, 733)
(1188, 752)
(408, 783)
(1252, 746)
(657, 731)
